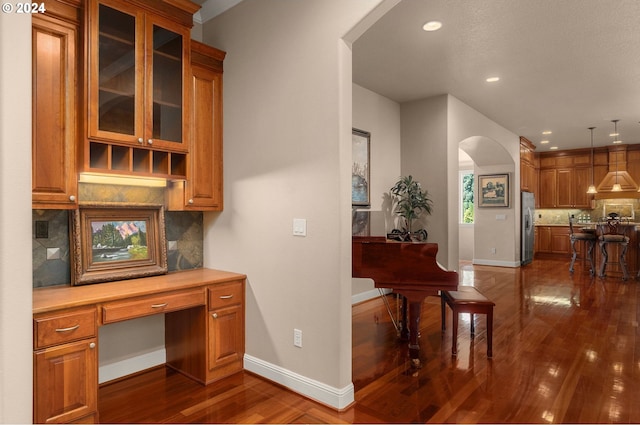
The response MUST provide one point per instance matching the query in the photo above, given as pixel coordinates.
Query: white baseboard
(483, 262)
(125, 367)
(367, 295)
(338, 398)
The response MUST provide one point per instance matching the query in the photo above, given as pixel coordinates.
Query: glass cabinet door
(167, 85)
(137, 68)
(116, 89)
(167, 92)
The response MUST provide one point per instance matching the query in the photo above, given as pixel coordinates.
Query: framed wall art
(114, 242)
(493, 190)
(360, 176)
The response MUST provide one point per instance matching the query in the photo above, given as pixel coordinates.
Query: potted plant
(411, 202)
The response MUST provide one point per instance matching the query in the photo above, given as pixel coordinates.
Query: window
(466, 197)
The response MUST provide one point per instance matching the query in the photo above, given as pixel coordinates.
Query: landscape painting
(115, 241)
(493, 190)
(119, 240)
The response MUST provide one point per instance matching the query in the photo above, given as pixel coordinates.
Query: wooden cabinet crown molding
(180, 11)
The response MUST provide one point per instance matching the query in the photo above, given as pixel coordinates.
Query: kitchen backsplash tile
(625, 207)
(185, 229)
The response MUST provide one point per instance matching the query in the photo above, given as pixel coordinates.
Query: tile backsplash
(50, 233)
(625, 207)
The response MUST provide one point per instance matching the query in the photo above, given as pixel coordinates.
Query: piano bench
(467, 299)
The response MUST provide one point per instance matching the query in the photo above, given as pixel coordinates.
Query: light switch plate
(299, 227)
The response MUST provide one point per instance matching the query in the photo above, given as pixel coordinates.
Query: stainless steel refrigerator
(528, 209)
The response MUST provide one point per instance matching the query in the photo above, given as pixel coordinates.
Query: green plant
(411, 201)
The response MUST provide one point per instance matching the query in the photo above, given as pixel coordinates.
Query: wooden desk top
(64, 296)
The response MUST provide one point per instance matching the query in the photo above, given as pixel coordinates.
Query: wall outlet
(493, 251)
(297, 338)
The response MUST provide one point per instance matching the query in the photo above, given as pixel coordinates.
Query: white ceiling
(565, 65)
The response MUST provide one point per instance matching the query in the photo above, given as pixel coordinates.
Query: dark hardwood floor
(566, 349)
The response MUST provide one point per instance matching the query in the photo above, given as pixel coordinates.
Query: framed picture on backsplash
(115, 241)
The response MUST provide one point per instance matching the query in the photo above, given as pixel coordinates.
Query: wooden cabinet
(202, 190)
(552, 240)
(65, 366)
(548, 188)
(226, 330)
(528, 174)
(571, 187)
(563, 181)
(55, 53)
(138, 93)
(204, 333)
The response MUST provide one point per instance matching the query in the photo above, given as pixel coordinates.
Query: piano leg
(404, 329)
(415, 308)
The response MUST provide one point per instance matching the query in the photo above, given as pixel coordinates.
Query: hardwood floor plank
(566, 350)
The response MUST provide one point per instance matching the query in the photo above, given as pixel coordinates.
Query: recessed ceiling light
(432, 26)
(544, 142)
(492, 79)
(553, 148)
(546, 132)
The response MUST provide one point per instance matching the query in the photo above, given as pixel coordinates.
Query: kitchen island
(552, 240)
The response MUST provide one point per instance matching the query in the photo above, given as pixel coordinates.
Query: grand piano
(410, 269)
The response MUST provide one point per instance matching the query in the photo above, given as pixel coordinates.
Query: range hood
(618, 173)
(621, 177)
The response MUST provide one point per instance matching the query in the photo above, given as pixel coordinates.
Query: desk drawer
(153, 304)
(65, 326)
(226, 294)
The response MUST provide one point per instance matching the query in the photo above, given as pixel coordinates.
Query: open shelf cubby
(104, 156)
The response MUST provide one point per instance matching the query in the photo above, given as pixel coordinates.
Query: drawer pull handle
(92, 345)
(159, 305)
(72, 328)
(226, 297)
(215, 315)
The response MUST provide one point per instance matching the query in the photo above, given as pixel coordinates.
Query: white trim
(338, 398)
(367, 295)
(496, 263)
(118, 369)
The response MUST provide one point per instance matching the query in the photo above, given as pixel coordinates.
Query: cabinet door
(548, 182)
(560, 243)
(138, 63)
(65, 382)
(116, 77)
(54, 183)
(544, 238)
(564, 188)
(226, 340)
(204, 187)
(581, 182)
(167, 90)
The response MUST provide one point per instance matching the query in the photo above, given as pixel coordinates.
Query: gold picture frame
(113, 242)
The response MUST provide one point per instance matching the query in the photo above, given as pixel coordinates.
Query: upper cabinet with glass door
(138, 64)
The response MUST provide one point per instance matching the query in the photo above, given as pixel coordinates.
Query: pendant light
(592, 187)
(616, 187)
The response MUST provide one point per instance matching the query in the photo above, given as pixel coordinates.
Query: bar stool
(613, 230)
(588, 239)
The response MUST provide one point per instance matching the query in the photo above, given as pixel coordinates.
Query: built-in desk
(204, 333)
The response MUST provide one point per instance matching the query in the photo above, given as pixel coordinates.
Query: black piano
(410, 269)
